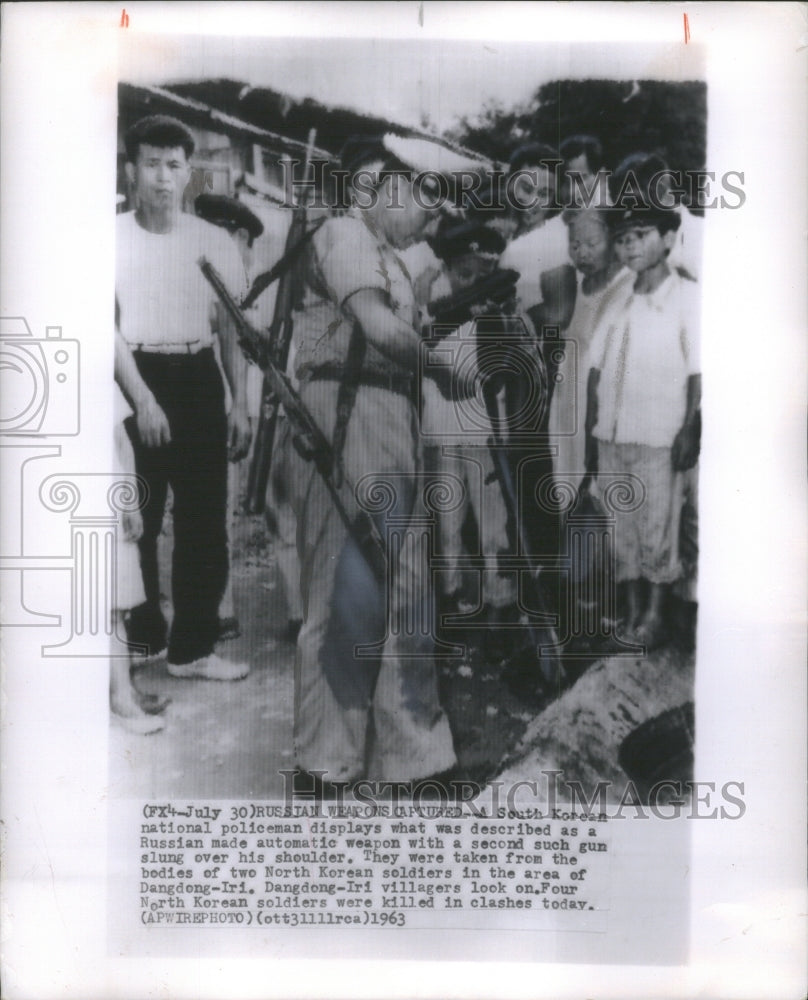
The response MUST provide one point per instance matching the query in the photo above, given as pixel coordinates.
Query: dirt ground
(231, 740)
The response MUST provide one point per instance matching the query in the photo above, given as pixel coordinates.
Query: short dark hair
(582, 145)
(161, 131)
(533, 154)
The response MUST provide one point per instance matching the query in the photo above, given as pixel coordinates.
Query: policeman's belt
(404, 385)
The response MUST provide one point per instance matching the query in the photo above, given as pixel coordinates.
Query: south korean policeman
(367, 716)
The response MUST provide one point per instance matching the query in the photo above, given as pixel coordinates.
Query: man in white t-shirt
(586, 183)
(540, 243)
(166, 366)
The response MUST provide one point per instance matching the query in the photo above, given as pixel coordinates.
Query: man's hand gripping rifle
(309, 440)
(493, 293)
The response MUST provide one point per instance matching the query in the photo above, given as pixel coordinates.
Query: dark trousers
(189, 389)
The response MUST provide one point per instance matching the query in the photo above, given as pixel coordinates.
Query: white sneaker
(142, 724)
(210, 668)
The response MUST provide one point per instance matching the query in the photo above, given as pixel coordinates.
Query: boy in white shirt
(644, 393)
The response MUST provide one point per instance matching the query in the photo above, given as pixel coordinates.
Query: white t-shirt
(542, 249)
(163, 297)
(646, 346)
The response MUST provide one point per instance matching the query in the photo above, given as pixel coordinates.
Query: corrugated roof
(197, 113)
(268, 108)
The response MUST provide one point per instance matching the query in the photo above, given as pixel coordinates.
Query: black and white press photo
(399, 420)
(467, 543)
(412, 394)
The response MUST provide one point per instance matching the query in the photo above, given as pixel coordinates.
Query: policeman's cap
(228, 213)
(460, 238)
(418, 154)
(666, 220)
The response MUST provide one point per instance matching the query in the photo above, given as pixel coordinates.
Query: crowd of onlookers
(600, 329)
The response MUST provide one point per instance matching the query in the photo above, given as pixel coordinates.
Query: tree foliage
(627, 116)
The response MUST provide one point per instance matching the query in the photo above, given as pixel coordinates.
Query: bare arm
(131, 520)
(235, 369)
(685, 451)
(398, 341)
(152, 423)
(390, 335)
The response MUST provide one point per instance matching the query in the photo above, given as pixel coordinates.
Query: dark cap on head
(459, 238)
(228, 213)
(160, 131)
(666, 220)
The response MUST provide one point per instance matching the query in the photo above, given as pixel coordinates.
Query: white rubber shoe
(140, 723)
(210, 668)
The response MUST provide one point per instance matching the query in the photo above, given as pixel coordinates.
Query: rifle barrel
(361, 526)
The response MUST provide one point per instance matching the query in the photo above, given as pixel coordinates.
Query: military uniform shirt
(346, 258)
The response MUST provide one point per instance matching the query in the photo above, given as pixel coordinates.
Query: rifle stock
(280, 338)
